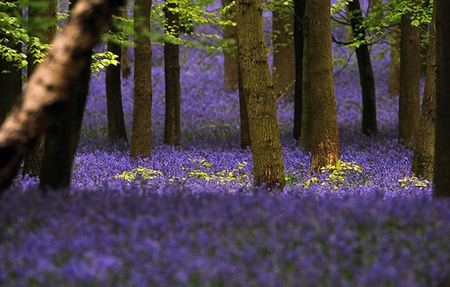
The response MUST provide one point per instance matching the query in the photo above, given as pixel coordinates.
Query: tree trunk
(229, 57)
(172, 76)
(299, 9)
(114, 109)
(243, 114)
(284, 53)
(318, 73)
(257, 90)
(441, 186)
(36, 16)
(394, 65)
(48, 91)
(424, 145)
(409, 104)
(142, 105)
(366, 79)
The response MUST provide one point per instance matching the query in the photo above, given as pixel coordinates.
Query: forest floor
(189, 216)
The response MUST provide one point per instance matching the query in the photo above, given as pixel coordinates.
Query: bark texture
(172, 129)
(284, 54)
(424, 145)
(409, 99)
(394, 65)
(299, 9)
(142, 105)
(257, 88)
(318, 78)
(47, 92)
(366, 79)
(441, 186)
(114, 109)
(230, 61)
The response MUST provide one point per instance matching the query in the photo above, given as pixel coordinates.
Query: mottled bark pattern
(230, 61)
(299, 7)
(142, 105)
(424, 145)
(409, 99)
(48, 89)
(172, 129)
(318, 72)
(284, 54)
(268, 168)
(366, 79)
(441, 186)
(114, 109)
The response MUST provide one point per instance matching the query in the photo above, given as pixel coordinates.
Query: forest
(224, 143)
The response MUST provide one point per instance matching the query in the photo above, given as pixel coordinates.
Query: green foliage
(335, 176)
(205, 173)
(102, 60)
(139, 172)
(413, 181)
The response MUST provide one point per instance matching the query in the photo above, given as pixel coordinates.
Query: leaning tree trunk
(284, 53)
(366, 79)
(409, 99)
(257, 88)
(441, 186)
(142, 106)
(230, 61)
(424, 145)
(48, 91)
(318, 72)
(299, 8)
(36, 15)
(172, 123)
(114, 109)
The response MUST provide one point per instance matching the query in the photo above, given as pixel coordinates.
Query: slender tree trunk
(284, 53)
(366, 79)
(441, 186)
(257, 86)
(10, 82)
(424, 145)
(409, 105)
(318, 73)
(114, 109)
(61, 139)
(36, 16)
(229, 57)
(243, 114)
(306, 115)
(142, 106)
(394, 65)
(48, 91)
(172, 76)
(299, 9)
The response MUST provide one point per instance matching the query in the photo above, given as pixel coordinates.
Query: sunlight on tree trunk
(142, 106)
(257, 88)
(441, 186)
(319, 91)
(48, 91)
(424, 145)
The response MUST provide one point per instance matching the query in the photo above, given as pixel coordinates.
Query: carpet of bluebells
(189, 216)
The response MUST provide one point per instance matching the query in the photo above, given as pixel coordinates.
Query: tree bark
(424, 145)
(299, 9)
(268, 168)
(142, 105)
(441, 180)
(230, 61)
(48, 91)
(409, 100)
(366, 79)
(172, 128)
(284, 54)
(114, 109)
(40, 14)
(318, 75)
